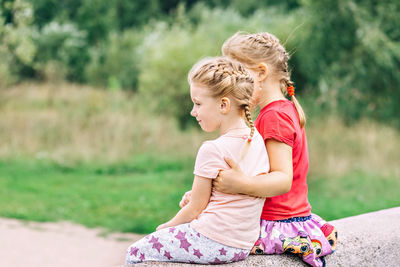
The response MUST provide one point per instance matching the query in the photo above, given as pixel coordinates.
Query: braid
(225, 77)
(251, 49)
(250, 120)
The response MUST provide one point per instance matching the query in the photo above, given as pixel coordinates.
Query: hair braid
(250, 120)
(252, 49)
(226, 77)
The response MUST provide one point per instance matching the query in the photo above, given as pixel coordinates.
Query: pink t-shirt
(232, 220)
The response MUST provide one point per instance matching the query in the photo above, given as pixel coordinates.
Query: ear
(262, 71)
(225, 105)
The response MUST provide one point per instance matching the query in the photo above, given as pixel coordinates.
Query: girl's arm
(277, 182)
(201, 192)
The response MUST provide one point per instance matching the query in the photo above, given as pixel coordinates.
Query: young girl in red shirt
(287, 224)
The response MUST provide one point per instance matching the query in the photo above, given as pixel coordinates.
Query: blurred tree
(247, 8)
(352, 54)
(6, 7)
(62, 46)
(169, 50)
(136, 13)
(17, 49)
(116, 63)
(97, 18)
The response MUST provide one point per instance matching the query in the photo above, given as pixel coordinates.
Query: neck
(231, 124)
(271, 91)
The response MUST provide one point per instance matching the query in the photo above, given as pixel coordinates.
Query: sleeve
(277, 125)
(209, 161)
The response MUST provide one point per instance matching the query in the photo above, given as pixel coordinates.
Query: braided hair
(226, 77)
(252, 49)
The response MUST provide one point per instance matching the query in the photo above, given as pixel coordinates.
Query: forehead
(199, 91)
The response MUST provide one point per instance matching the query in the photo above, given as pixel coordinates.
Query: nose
(193, 113)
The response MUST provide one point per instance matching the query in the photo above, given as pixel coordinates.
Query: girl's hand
(230, 181)
(185, 199)
(162, 226)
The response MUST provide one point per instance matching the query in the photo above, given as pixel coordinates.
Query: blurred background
(94, 103)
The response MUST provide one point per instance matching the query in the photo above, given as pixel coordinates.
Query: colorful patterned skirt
(310, 237)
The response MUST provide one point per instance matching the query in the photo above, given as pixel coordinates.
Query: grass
(354, 193)
(132, 197)
(97, 158)
(139, 195)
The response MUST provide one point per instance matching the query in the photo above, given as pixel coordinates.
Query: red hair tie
(290, 90)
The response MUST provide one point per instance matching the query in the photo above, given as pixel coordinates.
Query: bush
(352, 55)
(63, 45)
(17, 49)
(169, 51)
(115, 63)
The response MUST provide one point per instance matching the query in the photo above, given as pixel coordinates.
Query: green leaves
(355, 52)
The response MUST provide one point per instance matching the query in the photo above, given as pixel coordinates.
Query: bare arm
(277, 182)
(200, 196)
(185, 199)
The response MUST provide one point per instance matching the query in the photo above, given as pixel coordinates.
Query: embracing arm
(200, 196)
(277, 182)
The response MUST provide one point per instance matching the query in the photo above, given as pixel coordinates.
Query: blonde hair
(226, 77)
(252, 49)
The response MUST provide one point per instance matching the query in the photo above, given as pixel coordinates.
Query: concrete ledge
(369, 239)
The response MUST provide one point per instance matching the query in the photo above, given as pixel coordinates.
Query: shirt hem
(284, 217)
(279, 138)
(222, 240)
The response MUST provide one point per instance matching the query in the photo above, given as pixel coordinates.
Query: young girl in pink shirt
(214, 227)
(287, 224)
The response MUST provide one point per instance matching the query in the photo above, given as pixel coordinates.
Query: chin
(207, 130)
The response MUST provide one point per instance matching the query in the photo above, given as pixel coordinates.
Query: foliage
(352, 54)
(170, 51)
(346, 52)
(64, 44)
(17, 49)
(116, 63)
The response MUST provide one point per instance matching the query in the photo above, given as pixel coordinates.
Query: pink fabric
(279, 120)
(232, 220)
(304, 238)
(182, 244)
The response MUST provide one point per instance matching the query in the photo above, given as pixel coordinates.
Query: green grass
(136, 196)
(354, 193)
(130, 197)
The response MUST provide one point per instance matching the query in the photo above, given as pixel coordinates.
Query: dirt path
(60, 244)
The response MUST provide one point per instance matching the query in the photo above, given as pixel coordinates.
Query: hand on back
(185, 199)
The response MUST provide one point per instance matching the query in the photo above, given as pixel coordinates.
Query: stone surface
(366, 240)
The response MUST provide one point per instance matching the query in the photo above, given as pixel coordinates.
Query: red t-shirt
(279, 120)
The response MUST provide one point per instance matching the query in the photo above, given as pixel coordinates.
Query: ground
(368, 240)
(60, 244)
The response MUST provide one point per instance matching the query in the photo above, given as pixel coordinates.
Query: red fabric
(327, 229)
(279, 120)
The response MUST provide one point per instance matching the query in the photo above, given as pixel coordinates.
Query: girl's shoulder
(281, 111)
(278, 121)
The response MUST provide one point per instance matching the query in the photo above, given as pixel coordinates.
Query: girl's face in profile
(206, 109)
